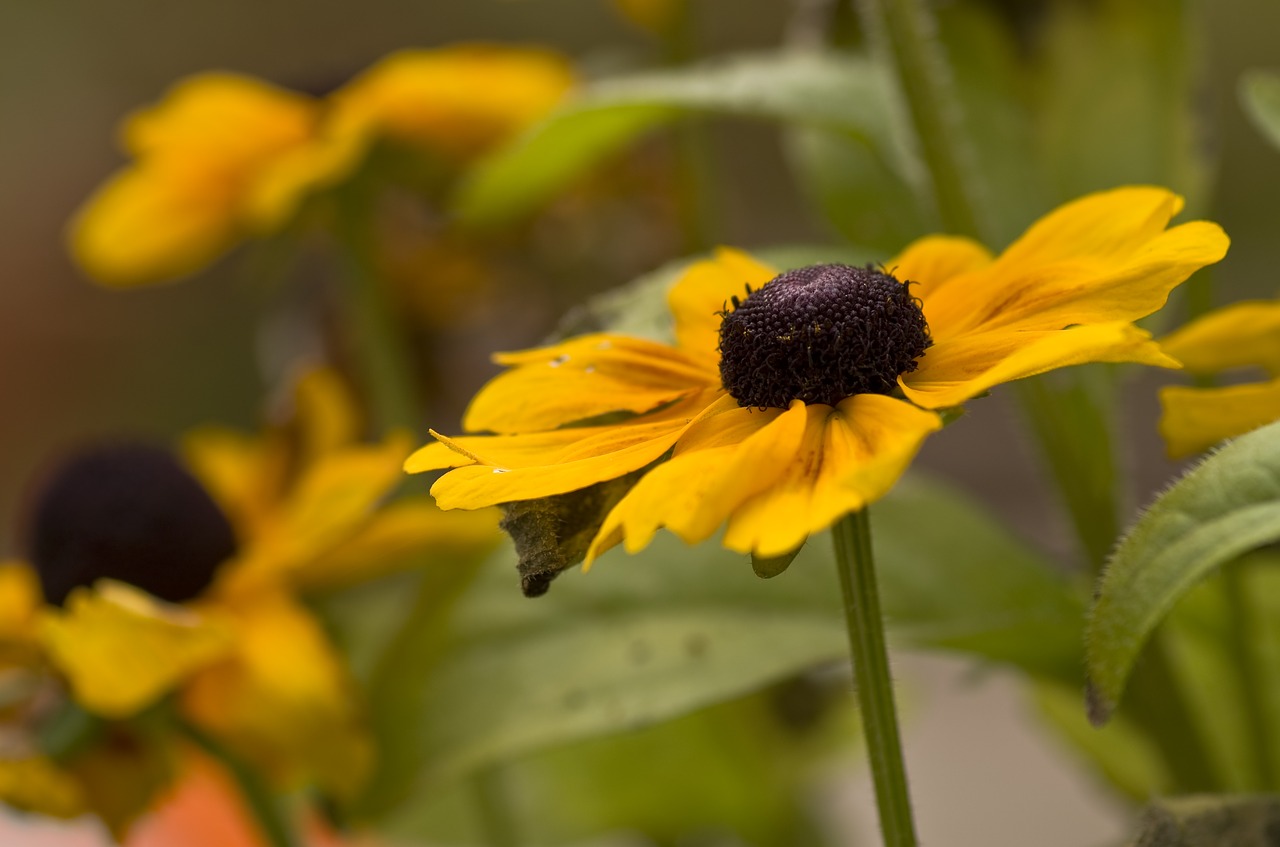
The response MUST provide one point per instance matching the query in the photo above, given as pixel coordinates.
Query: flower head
(185, 580)
(1241, 335)
(776, 414)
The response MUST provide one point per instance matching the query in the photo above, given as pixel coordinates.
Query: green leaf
(645, 638)
(1211, 821)
(1260, 94)
(842, 94)
(1227, 506)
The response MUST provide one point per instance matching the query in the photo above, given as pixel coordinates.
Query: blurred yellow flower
(1237, 336)
(775, 412)
(201, 154)
(656, 16)
(223, 157)
(249, 663)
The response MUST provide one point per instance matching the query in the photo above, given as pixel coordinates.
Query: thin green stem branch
(856, 565)
(1249, 671)
(258, 798)
(906, 32)
(496, 823)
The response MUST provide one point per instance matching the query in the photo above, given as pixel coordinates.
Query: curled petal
(1235, 336)
(1195, 419)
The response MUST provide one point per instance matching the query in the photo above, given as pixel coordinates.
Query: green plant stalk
(1249, 670)
(494, 808)
(377, 338)
(856, 564)
(695, 177)
(906, 33)
(258, 798)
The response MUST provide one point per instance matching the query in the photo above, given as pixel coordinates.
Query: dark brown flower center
(129, 512)
(820, 334)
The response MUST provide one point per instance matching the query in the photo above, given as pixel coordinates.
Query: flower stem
(906, 33)
(856, 565)
(496, 824)
(258, 798)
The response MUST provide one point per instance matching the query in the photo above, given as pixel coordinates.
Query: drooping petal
(849, 456)
(954, 371)
(281, 690)
(567, 460)
(122, 649)
(935, 260)
(34, 783)
(720, 462)
(580, 379)
(399, 536)
(1241, 334)
(1195, 419)
(703, 292)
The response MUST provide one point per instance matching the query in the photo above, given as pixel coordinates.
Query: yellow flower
(248, 662)
(1241, 335)
(780, 418)
(201, 157)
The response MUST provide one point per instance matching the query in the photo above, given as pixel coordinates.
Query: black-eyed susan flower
(164, 581)
(789, 400)
(1238, 336)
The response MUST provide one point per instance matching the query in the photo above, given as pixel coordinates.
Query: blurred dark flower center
(128, 512)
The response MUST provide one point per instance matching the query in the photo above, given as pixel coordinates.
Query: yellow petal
(699, 296)
(656, 16)
(121, 649)
(933, 261)
(34, 783)
(244, 474)
(1195, 419)
(20, 599)
(849, 456)
(282, 699)
(156, 222)
(1241, 334)
(954, 371)
(720, 462)
(326, 415)
(567, 460)
(400, 535)
(327, 506)
(458, 100)
(580, 379)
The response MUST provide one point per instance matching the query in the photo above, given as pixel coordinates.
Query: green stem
(258, 798)
(856, 565)
(906, 32)
(1249, 669)
(496, 824)
(377, 337)
(1157, 704)
(694, 171)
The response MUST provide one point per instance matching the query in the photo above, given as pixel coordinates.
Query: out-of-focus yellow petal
(121, 649)
(716, 465)
(1235, 336)
(567, 460)
(400, 535)
(327, 416)
(244, 474)
(34, 783)
(954, 371)
(581, 379)
(656, 16)
(459, 100)
(282, 699)
(20, 600)
(155, 222)
(935, 260)
(1195, 419)
(326, 506)
(183, 203)
(849, 456)
(703, 292)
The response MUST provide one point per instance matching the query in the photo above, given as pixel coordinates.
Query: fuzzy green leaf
(847, 95)
(1227, 506)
